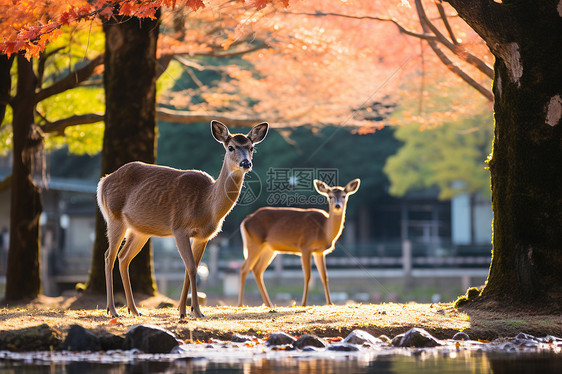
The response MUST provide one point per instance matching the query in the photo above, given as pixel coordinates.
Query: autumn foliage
(30, 25)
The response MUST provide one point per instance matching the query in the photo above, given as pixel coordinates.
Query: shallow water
(217, 359)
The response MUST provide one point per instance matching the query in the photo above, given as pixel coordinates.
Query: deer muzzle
(245, 164)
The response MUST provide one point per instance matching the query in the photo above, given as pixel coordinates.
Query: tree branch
(445, 20)
(401, 28)
(163, 114)
(193, 77)
(72, 80)
(41, 64)
(162, 64)
(459, 51)
(194, 65)
(447, 62)
(486, 17)
(187, 117)
(59, 126)
(228, 54)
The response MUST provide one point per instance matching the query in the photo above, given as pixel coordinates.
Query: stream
(225, 357)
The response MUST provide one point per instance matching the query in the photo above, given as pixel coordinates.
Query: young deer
(141, 200)
(303, 232)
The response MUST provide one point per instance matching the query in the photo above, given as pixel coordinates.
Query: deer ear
(258, 133)
(220, 132)
(321, 187)
(352, 186)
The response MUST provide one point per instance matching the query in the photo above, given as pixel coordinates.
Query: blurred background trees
(346, 72)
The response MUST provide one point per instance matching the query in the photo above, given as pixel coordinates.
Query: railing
(74, 267)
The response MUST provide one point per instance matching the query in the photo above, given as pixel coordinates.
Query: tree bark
(5, 84)
(23, 275)
(130, 89)
(525, 37)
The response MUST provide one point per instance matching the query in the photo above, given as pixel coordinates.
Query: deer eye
(230, 148)
(251, 149)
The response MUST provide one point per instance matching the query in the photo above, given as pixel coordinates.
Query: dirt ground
(220, 322)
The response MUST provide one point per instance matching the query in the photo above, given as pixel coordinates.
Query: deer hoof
(198, 315)
(113, 314)
(135, 312)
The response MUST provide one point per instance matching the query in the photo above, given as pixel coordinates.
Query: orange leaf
(333, 340)
(195, 4)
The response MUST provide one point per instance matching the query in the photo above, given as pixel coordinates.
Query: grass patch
(441, 319)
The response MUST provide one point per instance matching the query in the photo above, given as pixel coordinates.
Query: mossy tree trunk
(130, 89)
(526, 165)
(23, 279)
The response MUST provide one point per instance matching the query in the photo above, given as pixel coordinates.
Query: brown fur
(304, 232)
(140, 200)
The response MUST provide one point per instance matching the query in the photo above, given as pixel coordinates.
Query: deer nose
(246, 164)
(337, 206)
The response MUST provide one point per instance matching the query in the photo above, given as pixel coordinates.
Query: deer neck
(226, 190)
(334, 224)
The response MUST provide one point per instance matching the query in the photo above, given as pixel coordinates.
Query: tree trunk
(130, 89)
(526, 178)
(23, 276)
(5, 84)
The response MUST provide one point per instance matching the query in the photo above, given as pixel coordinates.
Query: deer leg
(184, 247)
(198, 248)
(305, 261)
(253, 251)
(264, 260)
(319, 260)
(186, 284)
(244, 269)
(133, 245)
(115, 235)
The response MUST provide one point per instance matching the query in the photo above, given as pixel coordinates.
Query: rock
(385, 339)
(360, 337)
(310, 348)
(525, 337)
(280, 338)
(396, 340)
(553, 339)
(150, 339)
(237, 338)
(165, 304)
(461, 336)
(309, 340)
(343, 347)
(36, 338)
(418, 338)
(526, 340)
(109, 341)
(506, 347)
(79, 339)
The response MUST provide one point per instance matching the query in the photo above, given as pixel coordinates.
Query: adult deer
(141, 200)
(303, 232)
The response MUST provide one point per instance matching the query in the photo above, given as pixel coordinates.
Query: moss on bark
(525, 38)
(525, 175)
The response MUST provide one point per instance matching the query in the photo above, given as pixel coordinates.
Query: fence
(169, 268)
